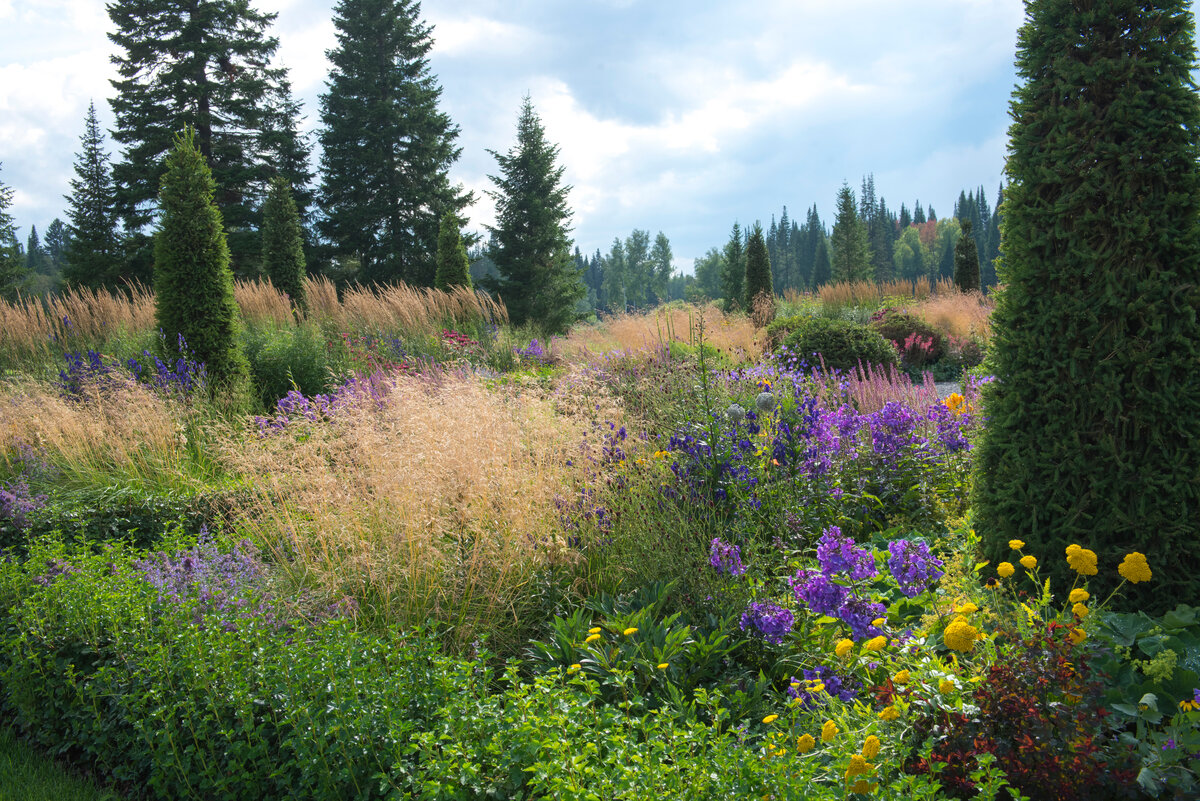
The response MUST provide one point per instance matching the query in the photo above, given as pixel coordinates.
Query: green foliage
(758, 268)
(193, 284)
(386, 147)
(851, 250)
(283, 358)
(733, 270)
(283, 244)
(28, 775)
(1094, 419)
(452, 266)
(93, 253)
(966, 260)
(12, 266)
(842, 344)
(538, 280)
(898, 326)
(778, 329)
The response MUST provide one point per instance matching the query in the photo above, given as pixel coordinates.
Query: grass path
(26, 775)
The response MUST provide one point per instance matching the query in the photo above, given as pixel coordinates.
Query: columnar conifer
(1093, 432)
(453, 268)
(283, 243)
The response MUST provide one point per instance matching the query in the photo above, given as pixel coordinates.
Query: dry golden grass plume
(415, 309)
(733, 334)
(963, 314)
(29, 326)
(438, 502)
(261, 302)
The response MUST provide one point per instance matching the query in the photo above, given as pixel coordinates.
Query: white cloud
(476, 35)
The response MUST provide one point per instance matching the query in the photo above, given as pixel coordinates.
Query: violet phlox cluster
(768, 620)
(726, 558)
(913, 566)
(840, 558)
(819, 685)
(837, 553)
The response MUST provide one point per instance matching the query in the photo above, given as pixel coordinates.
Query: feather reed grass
(732, 334)
(962, 314)
(400, 307)
(435, 501)
(869, 293)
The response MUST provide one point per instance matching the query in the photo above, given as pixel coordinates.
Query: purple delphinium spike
(726, 558)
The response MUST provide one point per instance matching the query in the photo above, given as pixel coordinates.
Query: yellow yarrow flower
(1077, 636)
(968, 608)
(871, 747)
(879, 621)
(1134, 568)
(945, 686)
(858, 766)
(843, 648)
(863, 786)
(1081, 560)
(1005, 569)
(1029, 562)
(595, 630)
(592, 638)
(770, 718)
(1078, 595)
(876, 643)
(805, 743)
(629, 631)
(663, 666)
(901, 678)
(828, 731)
(1016, 545)
(1079, 610)
(960, 636)
(889, 713)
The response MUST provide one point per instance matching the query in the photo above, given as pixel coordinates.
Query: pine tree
(822, 261)
(193, 284)
(386, 148)
(733, 277)
(204, 64)
(919, 217)
(12, 266)
(57, 239)
(283, 244)
(36, 259)
(1093, 433)
(538, 280)
(759, 288)
(966, 260)
(93, 255)
(452, 256)
(905, 219)
(851, 252)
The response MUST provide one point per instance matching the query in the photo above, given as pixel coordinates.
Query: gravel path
(946, 388)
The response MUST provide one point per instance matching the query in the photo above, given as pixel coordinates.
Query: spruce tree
(662, 262)
(204, 64)
(93, 254)
(851, 251)
(733, 275)
(966, 260)
(56, 242)
(12, 265)
(193, 284)
(538, 280)
(452, 265)
(758, 271)
(1093, 432)
(283, 244)
(386, 147)
(822, 261)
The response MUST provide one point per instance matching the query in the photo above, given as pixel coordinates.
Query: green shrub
(841, 344)
(283, 358)
(918, 342)
(778, 329)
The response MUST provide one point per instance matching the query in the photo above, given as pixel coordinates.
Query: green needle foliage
(193, 283)
(538, 281)
(453, 268)
(758, 268)
(1093, 433)
(283, 244)
(966, 260)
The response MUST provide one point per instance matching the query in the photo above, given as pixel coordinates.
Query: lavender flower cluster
(17, 501)
(913, 566)
(533, 352)
(832, 684)
(296, 405)
(726, 558)
(768, 620)
(182, 377)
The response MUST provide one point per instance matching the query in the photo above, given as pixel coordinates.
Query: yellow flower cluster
(828, 731)
(901, 678)
(956, 403)
(1079, 595)
(871, 747)
(858, 766)
(770, 718)
(843, 648)
(630, 631)
(960, 635)
(1016, 545)
(805, 743)
(1005, 569)
(1029, 562)
(889, 713)
(1081, 560)
(1134, 568)
(1079, 610)
(876, 643)
(945, 686)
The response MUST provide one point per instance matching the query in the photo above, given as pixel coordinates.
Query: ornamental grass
(429, 498)
(732, 334)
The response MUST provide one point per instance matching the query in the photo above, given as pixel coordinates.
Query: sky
(670, 116)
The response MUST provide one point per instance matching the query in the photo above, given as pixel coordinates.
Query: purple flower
(913, 567)
(857, 613)
(839, 554)
(726, 558)
(770, 621)
(16, 502)
(815, 589)
(835, 686)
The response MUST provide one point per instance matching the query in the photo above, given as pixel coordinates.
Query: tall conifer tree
(733, 276)
(204, 64)
(851, 252)
(12, 267)
(386, 147)
(966, 260)
(758, 271)
(452, 266)
(93, 255)
(283, 244)
(1093, 434)
(538, 280)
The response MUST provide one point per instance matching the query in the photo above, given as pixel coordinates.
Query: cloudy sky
(670, 115)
